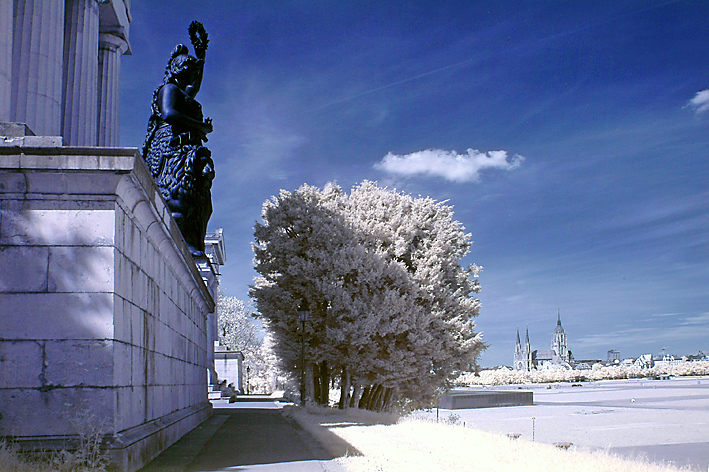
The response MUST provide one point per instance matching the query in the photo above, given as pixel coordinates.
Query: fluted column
(6, 9)
(80, 72)
(36, 89)
(111, 48)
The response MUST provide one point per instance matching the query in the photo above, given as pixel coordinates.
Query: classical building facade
(60, 67)
(559, 356)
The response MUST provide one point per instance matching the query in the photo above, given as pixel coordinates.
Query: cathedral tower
(558, 341)
(523, 354)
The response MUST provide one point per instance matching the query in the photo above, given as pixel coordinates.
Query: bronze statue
(182, 167)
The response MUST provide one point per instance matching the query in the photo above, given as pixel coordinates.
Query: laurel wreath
(199, 38)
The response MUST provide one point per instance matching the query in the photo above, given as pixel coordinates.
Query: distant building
(644, 362)
(523, 354)
(558, 357)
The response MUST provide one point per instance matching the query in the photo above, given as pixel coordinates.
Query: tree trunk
(324, 384)
(309, 387)
(388, 395)
(316, 383)
(354, 401)
(344, 389)
(373, 397)
(376, 402)
(365, 397)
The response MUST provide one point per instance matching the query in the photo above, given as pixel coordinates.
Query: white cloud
(700, 102)
(448, 164)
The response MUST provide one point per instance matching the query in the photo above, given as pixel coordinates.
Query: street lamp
(248, 370)
(304, 313)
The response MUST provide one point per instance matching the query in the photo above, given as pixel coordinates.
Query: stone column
(36, 90)
(110, 49)
(80, 72)
(6, 9)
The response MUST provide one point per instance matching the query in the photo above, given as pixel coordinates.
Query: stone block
(138, 285)
(24, 268)
(58, 227)
(56, 315)
(138, 400)
(81, 269)
(119, 224)
(21, 364)
(122, 282)
(125, 416)
(122, 364)
(59, 162)
(133, 237)
(9, 161)
(59, 411)
(73, 363)
(150, 327)
(47, 183)
(14, 130)
(153, 301)
(137, 326)
(121, 319)
(13, 182)
(139, 363)
(92, 184)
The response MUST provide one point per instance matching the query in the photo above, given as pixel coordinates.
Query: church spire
(558, 316)
(518, 342)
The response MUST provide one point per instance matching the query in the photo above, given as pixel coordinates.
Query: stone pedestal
(103, 312)
(230, 367)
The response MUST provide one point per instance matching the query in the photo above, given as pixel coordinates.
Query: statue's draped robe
(183, 172)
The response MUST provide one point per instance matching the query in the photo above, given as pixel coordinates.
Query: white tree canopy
(380, 272)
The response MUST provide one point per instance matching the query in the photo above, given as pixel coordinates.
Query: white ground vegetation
(598, 372)
(411, 445)
(86, 457)
(423, 446)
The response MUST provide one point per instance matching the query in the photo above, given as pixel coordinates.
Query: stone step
(215, 395)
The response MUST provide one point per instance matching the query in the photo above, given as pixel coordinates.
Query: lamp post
(304, 313)
(248, 370)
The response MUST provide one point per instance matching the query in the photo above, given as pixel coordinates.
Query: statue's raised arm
(200, 41)
(182, 167)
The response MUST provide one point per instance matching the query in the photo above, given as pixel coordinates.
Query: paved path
(246, 436)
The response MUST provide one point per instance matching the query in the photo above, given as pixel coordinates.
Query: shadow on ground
(235, 438)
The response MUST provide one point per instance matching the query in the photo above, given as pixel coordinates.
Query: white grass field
(628, 425)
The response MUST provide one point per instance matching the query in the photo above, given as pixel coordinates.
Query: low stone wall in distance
(465, 400)
(103, 312)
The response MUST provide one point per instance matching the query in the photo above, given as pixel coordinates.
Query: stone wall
(103, 312)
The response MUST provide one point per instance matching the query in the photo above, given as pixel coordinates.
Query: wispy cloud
(700, 102)
(683, 329)
(449, 165)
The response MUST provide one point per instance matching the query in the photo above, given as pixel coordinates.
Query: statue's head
(180, 64)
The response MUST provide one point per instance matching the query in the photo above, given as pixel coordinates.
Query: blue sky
(572, 139)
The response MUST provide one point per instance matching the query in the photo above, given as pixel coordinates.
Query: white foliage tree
(238, 332)
(391, 307)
